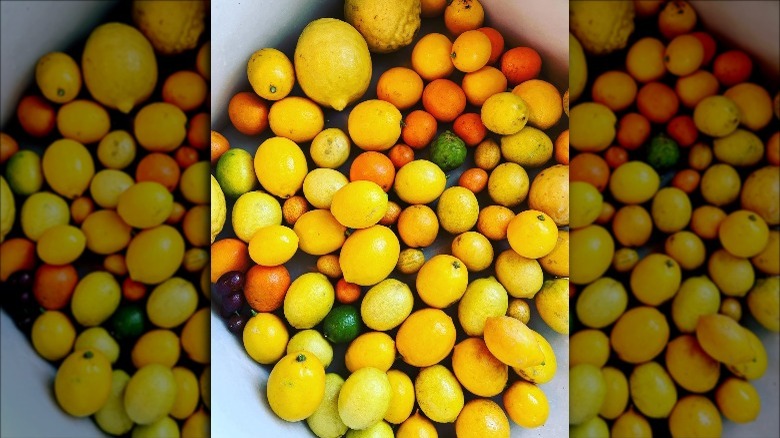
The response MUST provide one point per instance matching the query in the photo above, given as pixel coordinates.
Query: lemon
(442, 281)
(332, 63)
(320, 185)
(171, 303)
(374, 125)
(755, 368)
(187, 393)
(372, 349)
(156, 346)
(116, 150)
(587, 392)
(106, 232)
(83, 383)
(589, 346)
(52, 335)
(319, 232)
(61, 244)
(308, 300)
(596, 426)
(218, 209)
(402, 400)
(601, 303)
(640, 334)
(724, 339)
(197, 424)
(172, 27)
(763, 300)
(83, 120)
(586, 202)
(145, 204)
(160, 127)
(265, 338)
(42, 211)
(522, 277)
(474, 250)
(484, 297)
(107, 185)
(365, 398)
(652, 390)
(602, 26)
(386, 305)
(165, 426)
(24, 173)
(438, 394)
(359, 204)
(578, 68)
(235, 172)
(155, 254)
(273, 245)
(119, 66)
(634, 182)
(416, 426)
(690, 366)
(695, 415)
(592, 127)
(386, 25)
(271, 74)
(411, 260)
(280, 166)
(379, 430)
(253, 211)
(95, 298)
(369, 255)
(716, 116)
(526, 404)
(477, 369)
(508, 184)
(313, 342)
(504, 113)
(482, 418)
(150, 394)
(528, 147)
(325, 421)
(457, 210)
(631, 424)
(7, 209)
(545, 371)
(98, 338)
(68, 167)
(112, 418)
(330, 148)
(419, 182)
(296, 118)
(58, 76)
(741, 148)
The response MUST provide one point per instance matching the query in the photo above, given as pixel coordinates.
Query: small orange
(177, 214)
(36, 115)
(474, 179)
(228, 255)
(700, 156)
(426, 337)
(705, 221)
(196, 224)
(219, 145)
(373, 166)
(647, 8)
(708, 44)
(471, 51)
(346, 292)
(159, 167)
(17, 254)
(632, 226)
(773, 149)
(116, 264)
(607, 213)
(419, 129)
(483, 83)
(677, 18)
(520, 64)
(328, 265)
(444, 99)
(686, 180)
(266, 287)
(683, 130)
(463, 15)
(185, 89)
(248, 113)
(8, 147)
(590, 168)
(493, 221)
(400, 86)
(198, 130)
(401, 154)
(186, 156)
(391, 215)
(80, 208)
(418, 226)
(487, 155)
(657, 101)
(54, 285)
(732, 67)
(293, 208)
(432, 8)
(633, 130)
(133, 290)
(470, 129)
(496, 43)
(615, 89)
(615, 156)
(562, 147)
(431, 57)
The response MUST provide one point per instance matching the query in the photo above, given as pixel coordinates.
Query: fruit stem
(300, 358)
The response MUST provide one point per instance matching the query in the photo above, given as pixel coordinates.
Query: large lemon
(369, 255)
(7, 208)
(172, 27)
(280, 166)
(602, 26)
(155, 254)
(332, 63)
(119, 66)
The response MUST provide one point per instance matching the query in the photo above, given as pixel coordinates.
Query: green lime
(342, 324)
(663, 153)
(127, 322)
(24, 172)
(235, 172)
(448, 151)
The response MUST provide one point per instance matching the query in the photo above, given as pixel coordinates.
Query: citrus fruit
(438, 394)
(265, 338)
(364, 398)
(308, 300)
(83, 383)
(280, 166)
(271, 74)
(426, 337)
(369, 255)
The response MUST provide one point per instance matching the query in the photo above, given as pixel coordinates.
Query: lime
(663, 153)
(235, 172)
(127, 322)
(24, 173)
(448, 151)
(342, 324)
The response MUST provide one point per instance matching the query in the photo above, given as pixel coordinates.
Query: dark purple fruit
(230, 282)
(236, 323)
(232, 303)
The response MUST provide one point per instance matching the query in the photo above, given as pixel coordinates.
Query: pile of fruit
(675, 207)
(103, 221)
(384, 268)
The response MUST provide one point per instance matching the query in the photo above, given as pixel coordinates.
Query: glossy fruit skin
(83, 383)
(296, 386)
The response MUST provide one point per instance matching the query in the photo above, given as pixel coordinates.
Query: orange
(693, 88)
(293, 208)
(248, 113)
(632, 226)
(477, 369)
(391, 215)
(520, 64)
(496, 43)
(469, 128)
(418, 226)
(773, 149)
(647, 8)
(401, 154)
(732, 67)
(700, 156)
(645, 60)
(684, 55)
(36, 115)
(683, 130)
(474, 179)
(444, 99)
(686, 180)
(265, 287)
(431, 57)
(677, 18)
(615, 156)
(419, 129)
(159, 167)
(8, 147)
(432, 8)
(705, 221)
(133, 290)
(483, 83)
(471, 51)
(400, 86)
(633, 130)
(426, 337)
(346, 292)
(17, 254)
(532, 234)
(185, 89)
(328, 265)
(373, 166)
(54, 285)
(657, 102)
(708, 44)
(615, 89)
(198, 130)
(562, 147)
(219, 145)
(177, 214)
(196, 224)
(590, 168)
(228, 255)
(186, 156)
(493, 221)
(203, 60)
(487, 155)
(80, 208)
(463, 15)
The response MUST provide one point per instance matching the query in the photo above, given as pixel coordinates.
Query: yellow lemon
(280, 166)
(253, 211)
(634, 182)
(616, 399)
(743, 233)
(761, 193)
(313, 342)
(484, 297)
(481, 418)
(95, 298)
(172, 27)
(631, 424)
(83, 120)
(150, 394)
(265, 338)
(512, 342)
(695, 415)
(589, 346)
(763, 300)
(58, 76)
(671, 209)
(116, 149)
(372, 349)
(586, 202)
(545, 371)
(690, 366)
(720, 184)
(187, 393)
(145, 204)
(544, 102)
(320, 185)
(504, 113)
(107, 185)
(112, 417)
(191, 183)
(457, 210)
(195, 338)
(387, 26)
(106, 232)
(419, 182)
(526, 404)
(477, 369)
(724, 339)
(359, 204)
(655, 279)
(416, 426)
(61, 244)
(522, 277)
(155, 254)
(733, 275)
(528, 147)
(755, 368)
(738, 400)
(271, 74)
(587, 392)
(273, 245)
(296, 386)
(697, 296)
(374, 125)
(218, 209)
(552, 303)
(754, 103)
(386, 305)
(402, 400)
(365, 398)
(325, 421)
(741, 148)
(52, 335)
(156, 346)
(601, 303)
(319, 232)
(83, 383)
(171, 303)
(426, 337)
(652, 390)
(438, 394)
(308, 300)
(442, 281)
(592, 249)
(369, 255)
(640, 334)
(474, 250)
(330, 148)
(508, 184)
(99, 339)
(296, 118)
(602, 27)
(68, 167)
(160, 127)
(592, 127)
(532, 234)
(716, 116)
